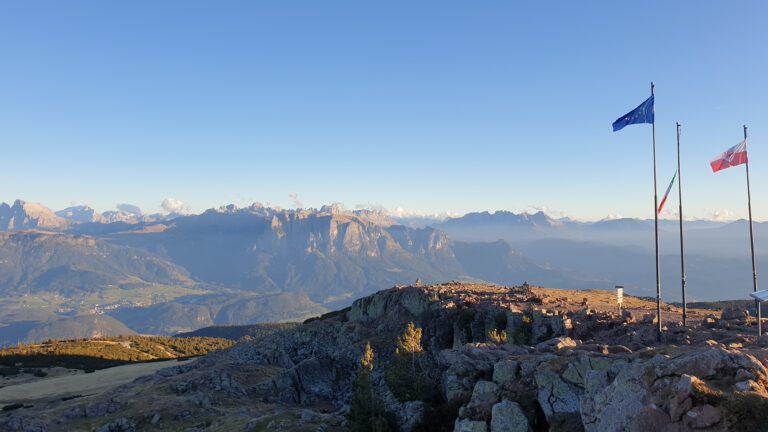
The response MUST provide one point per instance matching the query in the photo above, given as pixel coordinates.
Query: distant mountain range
(23, 215)
(524, 226)
(621, 250)
(164, 274)
(225, 266)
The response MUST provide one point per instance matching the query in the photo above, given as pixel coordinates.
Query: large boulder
(312, 380)
(556, 344)
(577, 372)
(613, 408)
(410, 414)
(507, 416)
(393, 302)
(467, 425)
(711, 363)
(222, 381)
(555, 395)
(703, 417)
(316, 380)
(734, 313)
(505, 372)
(484, 396)
(546, 325)
(465, 366)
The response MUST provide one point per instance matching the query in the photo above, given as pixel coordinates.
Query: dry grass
(744, 411)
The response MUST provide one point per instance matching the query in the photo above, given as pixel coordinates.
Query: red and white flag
(666, 194)
(735, 155)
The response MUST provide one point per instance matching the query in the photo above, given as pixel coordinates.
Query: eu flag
(641, 114)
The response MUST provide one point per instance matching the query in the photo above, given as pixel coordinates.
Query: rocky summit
(452, 357)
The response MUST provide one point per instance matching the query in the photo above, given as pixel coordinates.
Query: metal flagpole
(752, 245)
(680, 202)
(656, 227)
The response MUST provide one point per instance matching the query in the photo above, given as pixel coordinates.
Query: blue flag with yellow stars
(641, 114)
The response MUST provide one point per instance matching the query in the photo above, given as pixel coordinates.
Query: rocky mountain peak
(113, 216)
(542, 219)
(334, 208)
(81, 213)
(538, 220)
(25, 215)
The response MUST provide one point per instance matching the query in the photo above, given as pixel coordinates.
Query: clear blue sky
(431, 106)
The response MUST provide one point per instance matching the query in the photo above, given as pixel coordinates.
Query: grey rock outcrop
(734, 313)
(555, 396)
(411, 299)
(556, 344)
(507, 416)
(467, 425)
(222, 381)
(505, 372)
(484, 396)
(463, 367)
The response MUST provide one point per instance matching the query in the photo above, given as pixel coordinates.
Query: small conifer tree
(366, 361)
(497, 336)
(367, 413)
(410, 341)
(405, 375)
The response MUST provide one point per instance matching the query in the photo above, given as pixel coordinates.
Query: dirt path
(79, 384)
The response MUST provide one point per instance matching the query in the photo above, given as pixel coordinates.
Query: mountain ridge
(223, 265)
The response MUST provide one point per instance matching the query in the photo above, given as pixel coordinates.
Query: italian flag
(735, 155)
(666, 194)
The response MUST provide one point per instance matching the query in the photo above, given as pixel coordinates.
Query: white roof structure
(760, 295)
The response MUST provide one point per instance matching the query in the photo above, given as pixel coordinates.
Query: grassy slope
(105, 352)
